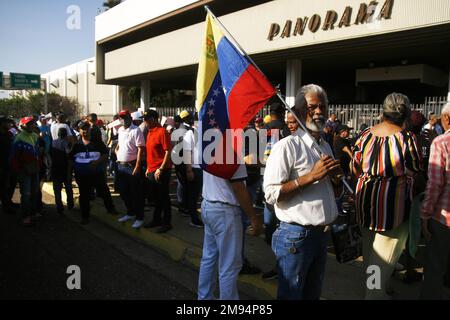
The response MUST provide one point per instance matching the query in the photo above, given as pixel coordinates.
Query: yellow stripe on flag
(208, 64)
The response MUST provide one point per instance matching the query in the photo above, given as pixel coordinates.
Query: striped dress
(384, 189)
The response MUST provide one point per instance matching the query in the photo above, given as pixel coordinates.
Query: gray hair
(396, 108)
(446, 109)
(300, 101)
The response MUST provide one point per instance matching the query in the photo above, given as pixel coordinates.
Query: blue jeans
(29, 188)
(270, 221)
(222, 247)
(301, 257)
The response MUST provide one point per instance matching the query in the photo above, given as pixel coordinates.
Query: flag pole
(289, 108)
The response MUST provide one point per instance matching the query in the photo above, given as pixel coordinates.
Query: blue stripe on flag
(231, 64)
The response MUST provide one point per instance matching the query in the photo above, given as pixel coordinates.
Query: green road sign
(1, 79)
(25, 81)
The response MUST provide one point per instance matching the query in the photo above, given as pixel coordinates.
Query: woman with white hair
(385, 161)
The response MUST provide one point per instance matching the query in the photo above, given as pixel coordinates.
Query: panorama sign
(367, 13)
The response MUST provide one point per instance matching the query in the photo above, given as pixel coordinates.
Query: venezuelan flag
(230, 92)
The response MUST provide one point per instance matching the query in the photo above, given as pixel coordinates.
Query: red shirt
(158, 142)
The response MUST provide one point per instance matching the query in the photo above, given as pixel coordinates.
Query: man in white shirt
(193, 175)
(298, 182)
(130, 152)
(222, 244)
(61, 123)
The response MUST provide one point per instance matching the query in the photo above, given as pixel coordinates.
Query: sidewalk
(184, 244)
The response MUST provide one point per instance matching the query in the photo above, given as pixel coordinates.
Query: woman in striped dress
(385, 161)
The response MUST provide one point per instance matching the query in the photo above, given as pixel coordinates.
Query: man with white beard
(298, 181)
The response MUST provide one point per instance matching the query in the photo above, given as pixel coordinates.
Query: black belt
(308, 227)
(131, 163)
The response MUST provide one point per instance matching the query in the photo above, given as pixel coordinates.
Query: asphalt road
(34, 262)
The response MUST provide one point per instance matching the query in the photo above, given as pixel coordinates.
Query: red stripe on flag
(247, 97)
(226, 157)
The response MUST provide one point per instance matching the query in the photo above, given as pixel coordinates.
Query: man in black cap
(342, 148)
(189, 173)
(96, 134)
(88, 158)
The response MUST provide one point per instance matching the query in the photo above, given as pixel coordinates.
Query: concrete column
(86, 91)
(117, 100)
(293, 80)
(145, 95)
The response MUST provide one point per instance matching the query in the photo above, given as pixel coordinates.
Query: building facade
(78, 81)
(358, 50)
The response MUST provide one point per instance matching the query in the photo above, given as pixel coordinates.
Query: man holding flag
(230, 92)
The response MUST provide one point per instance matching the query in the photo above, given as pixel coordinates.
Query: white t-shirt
(219, 190)
(129, 141)
(189, 144)
(54, 128)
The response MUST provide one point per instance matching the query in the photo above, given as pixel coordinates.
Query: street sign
(25, 81)
(1, 79)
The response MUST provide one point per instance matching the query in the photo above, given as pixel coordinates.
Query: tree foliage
(33, 104)
(134, 94)
(111, 4)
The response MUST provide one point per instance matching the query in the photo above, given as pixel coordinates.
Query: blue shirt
(46, 135)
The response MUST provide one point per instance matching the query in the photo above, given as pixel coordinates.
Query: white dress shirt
(292, 157)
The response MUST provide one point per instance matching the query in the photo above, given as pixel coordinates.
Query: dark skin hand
(326, 166)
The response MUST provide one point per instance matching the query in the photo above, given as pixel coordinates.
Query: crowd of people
(392, 166)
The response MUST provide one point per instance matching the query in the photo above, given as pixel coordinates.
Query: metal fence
(352, 115)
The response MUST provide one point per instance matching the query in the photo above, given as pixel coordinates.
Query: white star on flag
(212, 122)
(212, 102)
(210, 112)
(216, 92)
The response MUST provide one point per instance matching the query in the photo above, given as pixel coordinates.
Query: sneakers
(197, 224)
(163, 229)
(412, 276)
(125, 218)
(270, 275)
(137, 224)
(184, 213)
(399, 267)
